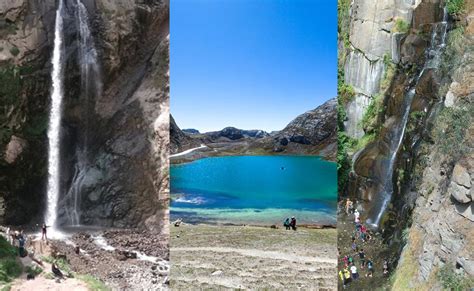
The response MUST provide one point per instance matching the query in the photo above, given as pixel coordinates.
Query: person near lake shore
(293, 223)
(286, 223)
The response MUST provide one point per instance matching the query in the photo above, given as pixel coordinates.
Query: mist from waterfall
(91, 86)
(54, 128)
(433, 55)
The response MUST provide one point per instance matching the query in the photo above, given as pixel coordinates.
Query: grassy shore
(229, 257)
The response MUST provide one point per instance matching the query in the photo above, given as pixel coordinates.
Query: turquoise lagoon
(254, 190)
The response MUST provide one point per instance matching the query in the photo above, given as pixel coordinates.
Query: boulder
(461, 176)
(14, 149)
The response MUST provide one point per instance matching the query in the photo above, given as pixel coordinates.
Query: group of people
(350, 269)
(18, 239)
(290, 223)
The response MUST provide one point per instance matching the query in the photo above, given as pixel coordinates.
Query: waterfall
(54, 128)
(433, 56)
(91, 86)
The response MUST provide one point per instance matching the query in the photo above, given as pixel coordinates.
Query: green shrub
(369, 120)
(345, 93)
(344, 164)
(34, 271)
(11, 84)
(454, 51)
(9, 268)
(415, 118)
(93, 283)
(455, 6)
(450, 130)
(389, 72)
(343, 8)
(453, 281)
(14, 51)
(401, 26)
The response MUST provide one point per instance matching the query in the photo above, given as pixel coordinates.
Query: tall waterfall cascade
(433, 56)
(54, 128)
(91, 86)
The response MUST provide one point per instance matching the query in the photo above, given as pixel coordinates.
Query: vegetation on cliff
(10, 268)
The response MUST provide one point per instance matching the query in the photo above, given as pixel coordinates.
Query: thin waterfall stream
(433, 54)
(91, 86)
(54, 128)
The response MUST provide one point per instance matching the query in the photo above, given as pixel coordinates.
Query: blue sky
(252, 64)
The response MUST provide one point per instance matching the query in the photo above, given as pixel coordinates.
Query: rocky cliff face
(180, 141)
(421, 93)
(232, 133)
(115, 139)
(313, 132)
(25, 49)
(441, 236)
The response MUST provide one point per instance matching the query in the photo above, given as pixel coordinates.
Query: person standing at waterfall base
(43, 232)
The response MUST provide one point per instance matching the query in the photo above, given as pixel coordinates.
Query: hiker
(346, 260)
(356, 214)
(21, 246)
(348, 206)
(286, 223)
(385, 267)
(362, 258)
(345, 276)
(56, 271)
(363, 233)
(354, 245)
(370, 268)
(293, 223)
(354, 273)
(43, 232)
(8, 235)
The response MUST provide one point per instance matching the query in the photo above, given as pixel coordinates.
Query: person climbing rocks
(370, 268)
(362, 258)
(43, 232)
(56, 271)
(354, 273)
(293, 223)
(286, 223)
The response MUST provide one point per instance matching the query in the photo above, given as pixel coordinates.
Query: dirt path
(40, 248)
(260, 254)
(230, 257)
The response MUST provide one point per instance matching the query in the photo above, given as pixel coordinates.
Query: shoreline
(272, 226)
(185, 157)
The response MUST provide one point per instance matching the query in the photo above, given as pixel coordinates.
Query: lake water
(255, 190)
